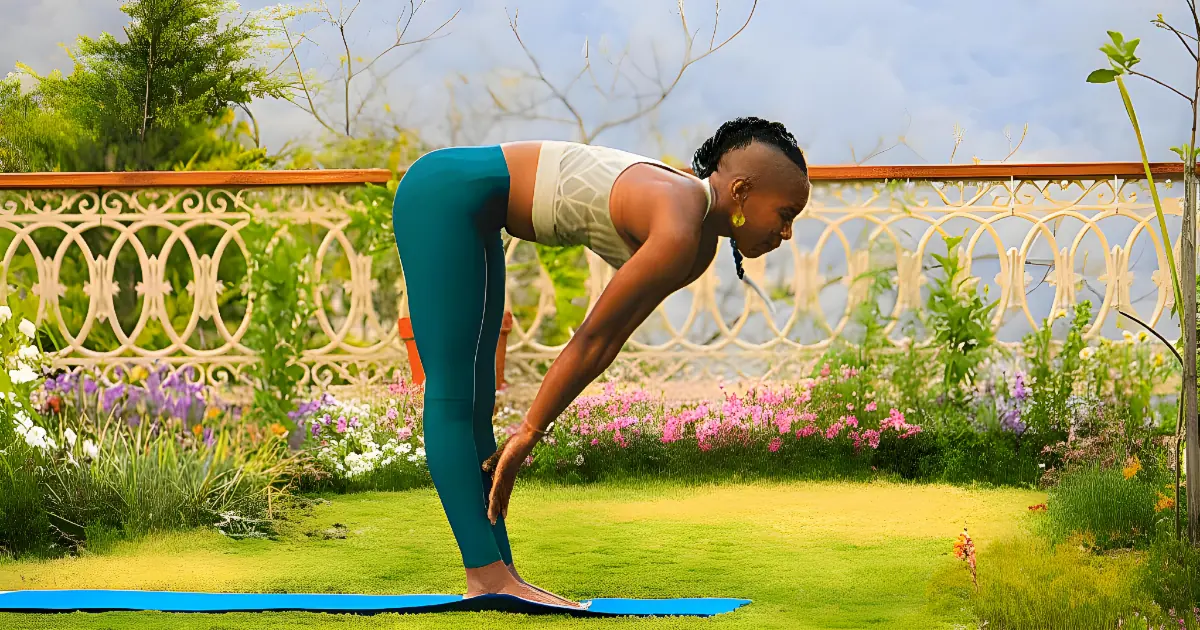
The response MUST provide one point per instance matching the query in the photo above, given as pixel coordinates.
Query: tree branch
(562, 98)
(1164, 25)
(1145, 76)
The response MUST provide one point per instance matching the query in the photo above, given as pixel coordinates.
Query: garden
(206, 383)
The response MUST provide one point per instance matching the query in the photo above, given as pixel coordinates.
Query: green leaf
(1102, 76)
(1117, 37)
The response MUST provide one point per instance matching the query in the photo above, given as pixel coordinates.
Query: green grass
(810, 555)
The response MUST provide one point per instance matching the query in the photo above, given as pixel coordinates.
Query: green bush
(24, 524)
(1104, 504)
(1027, 583)
(1170, 575)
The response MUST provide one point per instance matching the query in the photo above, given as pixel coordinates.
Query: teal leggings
(449, 210)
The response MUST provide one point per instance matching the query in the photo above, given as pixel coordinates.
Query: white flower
(420, 452)
(29, 353)
(23, 374)
(1127, 335)
(405, 447)
(5, 312)
(90, 449)
(27, 328)
(1087, 353)
(579, 459)
(70, 435)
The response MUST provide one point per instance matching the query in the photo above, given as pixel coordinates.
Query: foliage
(1028, 583)
(1104, 505)
(96, 459)
(282, 309)
(1054, 377)
(958, 318)
(153, 100)
(567, 267)
(376, 443)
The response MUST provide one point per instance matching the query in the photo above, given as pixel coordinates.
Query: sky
(843, 74)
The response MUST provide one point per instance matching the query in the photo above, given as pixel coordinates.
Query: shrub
(1113, 506)
(1029, 583)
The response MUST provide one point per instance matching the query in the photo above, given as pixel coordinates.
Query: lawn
(810, 555)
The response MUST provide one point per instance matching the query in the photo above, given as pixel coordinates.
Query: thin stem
(1155, 333)
(1162, 221)
(1181, 36)
(1146, 76)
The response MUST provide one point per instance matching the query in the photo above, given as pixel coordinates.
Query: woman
(658, 226)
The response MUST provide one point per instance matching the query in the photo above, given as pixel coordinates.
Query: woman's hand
(504, 465)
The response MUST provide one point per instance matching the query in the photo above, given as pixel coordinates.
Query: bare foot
(562, 601)
(496, 578)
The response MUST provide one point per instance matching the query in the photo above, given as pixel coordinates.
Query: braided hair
(739, 133)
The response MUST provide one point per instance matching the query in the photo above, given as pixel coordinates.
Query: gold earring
(739, 219)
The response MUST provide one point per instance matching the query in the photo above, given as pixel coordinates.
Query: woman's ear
(739, 189)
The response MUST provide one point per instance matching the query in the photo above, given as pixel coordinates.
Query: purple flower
(316, 429)
(1011, 421)
(111, 395)
(1019, 391)
(209, 437)
(89, 385)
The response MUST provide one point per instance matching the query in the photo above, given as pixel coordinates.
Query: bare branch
(541, 76)
(959, 132)
(1144, 76)
(1164, 25)
(1014, 150)
(688, 61)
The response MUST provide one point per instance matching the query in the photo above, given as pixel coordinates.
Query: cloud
(839, 74)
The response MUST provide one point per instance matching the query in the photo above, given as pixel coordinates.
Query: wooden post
(1187, 280)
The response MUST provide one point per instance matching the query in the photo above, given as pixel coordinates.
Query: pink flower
(595, 441)
(872, 437)
(850, 421)
(528, 460)
(871, 406)
(341, 425)
(849, 406)
(833, 430)
(806, 431)
(825, 371)
(392, 414)
(404, 433)
(775, 444)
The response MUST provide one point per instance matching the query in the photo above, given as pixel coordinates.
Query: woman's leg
(444, 217)
(485, 374)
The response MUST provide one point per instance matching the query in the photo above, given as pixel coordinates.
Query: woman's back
(566, 193)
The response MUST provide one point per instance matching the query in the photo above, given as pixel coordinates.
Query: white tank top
(571, 197)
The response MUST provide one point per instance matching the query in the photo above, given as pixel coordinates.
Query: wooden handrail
(199, 179)
(851, 172)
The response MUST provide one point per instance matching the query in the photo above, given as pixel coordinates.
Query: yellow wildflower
(138, 373)
(278, 429)
(1128, 336)
(197, 430)
(1142, 336)
(212, 412)
(1164, 503)
(1132, 466)
(1158, 359)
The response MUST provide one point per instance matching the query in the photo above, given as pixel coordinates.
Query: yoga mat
(52, 601)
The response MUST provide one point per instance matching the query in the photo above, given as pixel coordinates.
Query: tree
(552, 101)
(152, 101)
(1122, 57)
(305, 88)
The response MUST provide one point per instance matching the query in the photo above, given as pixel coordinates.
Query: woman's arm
(658, 269)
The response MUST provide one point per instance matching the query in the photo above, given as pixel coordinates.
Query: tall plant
(281, 311)
(1122, 58)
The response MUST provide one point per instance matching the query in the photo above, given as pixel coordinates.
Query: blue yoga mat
(52, 601)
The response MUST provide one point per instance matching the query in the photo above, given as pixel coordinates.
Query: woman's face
(770, 206)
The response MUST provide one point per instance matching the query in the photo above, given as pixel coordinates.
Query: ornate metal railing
(142, 267)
